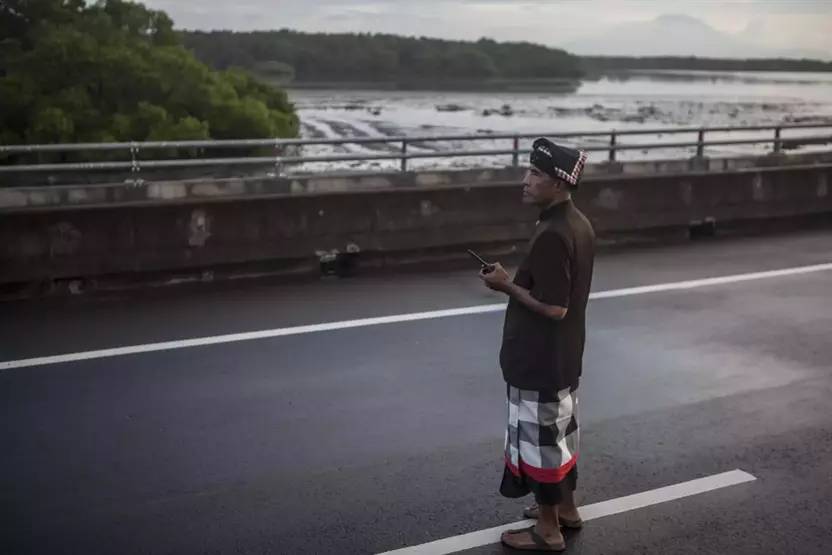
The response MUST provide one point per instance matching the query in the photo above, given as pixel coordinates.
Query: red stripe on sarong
(543, 475)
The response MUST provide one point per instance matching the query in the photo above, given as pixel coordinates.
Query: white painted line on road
(590, 512)
(707, 282)
(394, 319)
(248, 336)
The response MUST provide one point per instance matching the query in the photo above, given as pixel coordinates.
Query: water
(654, 99)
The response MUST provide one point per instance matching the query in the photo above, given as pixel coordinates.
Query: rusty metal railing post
(515, 156)
(612, 146)
(700, 144)
(404, 156)
(778, 144)
(278, 153)
(135, 165)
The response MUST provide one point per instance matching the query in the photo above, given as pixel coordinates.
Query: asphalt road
(374, 438)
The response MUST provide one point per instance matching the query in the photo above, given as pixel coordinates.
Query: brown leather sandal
(539, 542)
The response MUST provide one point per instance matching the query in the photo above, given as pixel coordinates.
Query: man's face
(539, 188)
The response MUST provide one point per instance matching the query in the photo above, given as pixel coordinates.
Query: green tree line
(366, 57)
(309, 57)
(117, 71)
(607, 63)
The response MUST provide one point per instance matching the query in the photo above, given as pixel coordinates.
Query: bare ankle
(567, 506)
(548, 530)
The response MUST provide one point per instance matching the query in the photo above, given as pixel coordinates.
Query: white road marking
(248, 336)
(590, 512)
(696, 283)
(393, 319)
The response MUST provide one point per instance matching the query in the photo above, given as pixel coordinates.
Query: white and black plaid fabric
(542, 436)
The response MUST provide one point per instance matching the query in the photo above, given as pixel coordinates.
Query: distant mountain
(674, 35)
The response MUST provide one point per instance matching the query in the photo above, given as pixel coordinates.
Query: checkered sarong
(541, 447)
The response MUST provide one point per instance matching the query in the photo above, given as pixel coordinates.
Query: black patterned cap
(558, 161)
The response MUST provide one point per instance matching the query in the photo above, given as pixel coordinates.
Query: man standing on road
(542, 350)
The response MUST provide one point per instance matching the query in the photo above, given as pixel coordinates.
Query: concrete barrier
(237, 226)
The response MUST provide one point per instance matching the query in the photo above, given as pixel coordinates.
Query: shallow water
(638, 100)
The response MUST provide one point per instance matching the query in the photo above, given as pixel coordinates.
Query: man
(542, 350)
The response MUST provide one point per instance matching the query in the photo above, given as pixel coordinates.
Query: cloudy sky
(771, 25)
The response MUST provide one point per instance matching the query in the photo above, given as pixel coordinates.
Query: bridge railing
(287, 152)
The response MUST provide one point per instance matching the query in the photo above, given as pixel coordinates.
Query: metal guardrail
(401, 153)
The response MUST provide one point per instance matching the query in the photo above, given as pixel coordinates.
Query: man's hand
(496, 277)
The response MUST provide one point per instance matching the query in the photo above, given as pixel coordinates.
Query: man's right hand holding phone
(493, 274)
(495, 277)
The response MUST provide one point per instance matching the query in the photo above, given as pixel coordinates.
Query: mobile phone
(485, 265)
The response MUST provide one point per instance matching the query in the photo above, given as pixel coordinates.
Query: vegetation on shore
(363, 57)
(116, 71)
(286, 56)
(616, 63)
